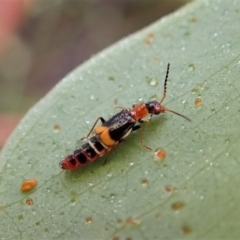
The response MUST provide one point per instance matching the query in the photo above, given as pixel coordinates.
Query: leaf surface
(192, 193)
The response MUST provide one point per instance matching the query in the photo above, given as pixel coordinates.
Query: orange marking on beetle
(139, 111)
(100, 129)
(28, 184)
(106, 139)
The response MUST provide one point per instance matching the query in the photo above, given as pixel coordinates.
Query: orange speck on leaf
(177, 206)
(144, 182)
(198, 102)
(116, 238)
(186, 229)
(160, 154)
(57, 127)
(89, 220)
(28, 184)
(111, 78)
(149, 39)
(29, 201)
(193, 19)
(133, 221)
(169, 188)
(151, 36)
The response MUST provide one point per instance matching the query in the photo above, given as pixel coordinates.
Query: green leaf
(192, 193)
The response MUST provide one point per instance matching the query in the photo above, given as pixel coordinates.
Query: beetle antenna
(165, 93)
(165, 84)
(179, 114)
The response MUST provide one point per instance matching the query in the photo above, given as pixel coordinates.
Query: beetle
(114, 130)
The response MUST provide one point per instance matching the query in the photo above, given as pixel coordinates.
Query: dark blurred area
(42, 40)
